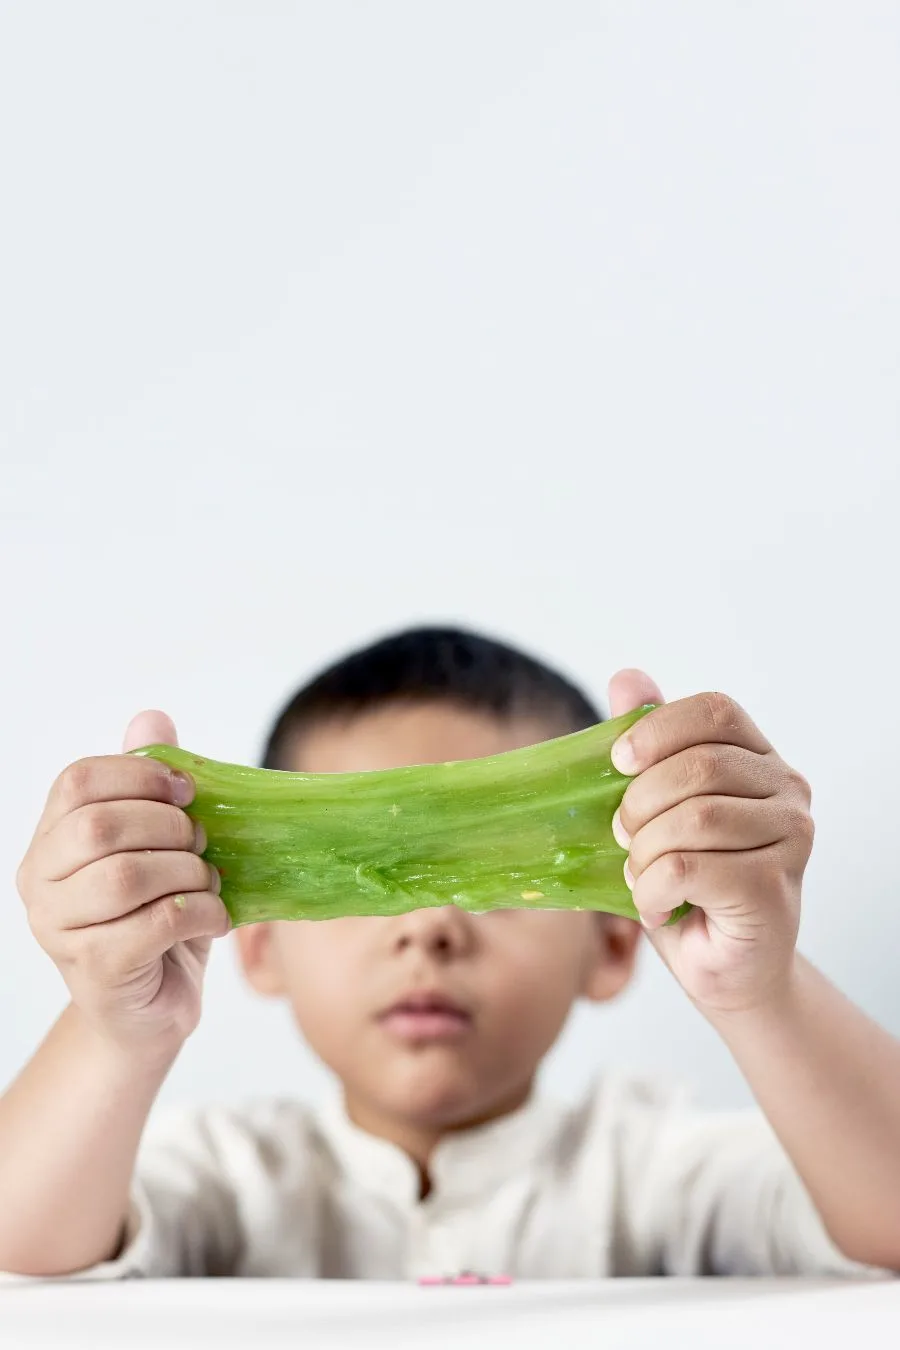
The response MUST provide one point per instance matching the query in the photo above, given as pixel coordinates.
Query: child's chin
(432, 1094)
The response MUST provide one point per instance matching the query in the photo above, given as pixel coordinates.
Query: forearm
(70, 1126)
(828, 1079)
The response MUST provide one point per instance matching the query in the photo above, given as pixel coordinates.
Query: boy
(440, 1157)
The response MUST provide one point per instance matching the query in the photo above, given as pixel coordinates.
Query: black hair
(434, 664)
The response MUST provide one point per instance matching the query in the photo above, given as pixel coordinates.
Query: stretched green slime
(527, 829)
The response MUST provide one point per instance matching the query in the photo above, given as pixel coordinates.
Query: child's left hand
(716, 817)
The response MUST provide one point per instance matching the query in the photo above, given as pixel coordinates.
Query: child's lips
(426, 1017)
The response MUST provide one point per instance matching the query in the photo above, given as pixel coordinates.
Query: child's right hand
(118, 897)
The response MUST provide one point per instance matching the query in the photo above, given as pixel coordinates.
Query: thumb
(630, 689)
(149, 728)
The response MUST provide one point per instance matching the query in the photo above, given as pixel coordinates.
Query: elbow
(876, 1250)
(48, 1261)
(25, 1265)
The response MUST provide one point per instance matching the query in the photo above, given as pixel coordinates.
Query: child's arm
(69, 1132)
(716, 817)
(118, 896)
(828, 1079)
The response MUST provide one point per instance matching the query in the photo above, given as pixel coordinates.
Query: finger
(708, 824)
(117, 885)
(123, 945)
(110, 778)
(150, 728)
(700, 720)
(630, 689)
(703, 770)
(709, 881)
(103, 828)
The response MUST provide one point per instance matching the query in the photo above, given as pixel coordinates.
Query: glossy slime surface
(530, 828)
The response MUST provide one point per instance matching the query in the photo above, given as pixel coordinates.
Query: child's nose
(444, 932)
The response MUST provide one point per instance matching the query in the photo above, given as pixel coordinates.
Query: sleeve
(184, 1216)
(715, 1194)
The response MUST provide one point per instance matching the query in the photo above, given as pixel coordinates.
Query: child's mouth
(426, 1017)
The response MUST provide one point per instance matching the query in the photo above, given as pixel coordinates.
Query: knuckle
(124, 875)
(165, 917)
(677, 867)
(705, 813)
(155, 779)
(97, 829)
(75, 783)
(684, 771)
(703, 767)
(721, 711)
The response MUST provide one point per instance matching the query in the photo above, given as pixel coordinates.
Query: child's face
(436, 1018)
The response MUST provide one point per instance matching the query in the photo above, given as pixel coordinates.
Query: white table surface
(605, 1315)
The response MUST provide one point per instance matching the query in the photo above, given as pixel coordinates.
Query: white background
(575, 322)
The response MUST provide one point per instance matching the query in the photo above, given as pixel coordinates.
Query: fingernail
(200, 840)
(653, 921)
(620, 834)
(215, 880)
(623, 756)
(182, 789)
(629, 879)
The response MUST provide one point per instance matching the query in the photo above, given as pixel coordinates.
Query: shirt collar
(465, 1163)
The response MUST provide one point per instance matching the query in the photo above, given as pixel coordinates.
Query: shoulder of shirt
(272, 1126)
(616, 1092)
(663, 1100)
(630, 1118)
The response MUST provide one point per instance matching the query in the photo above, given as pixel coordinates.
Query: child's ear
(258, 958)
(611, 957)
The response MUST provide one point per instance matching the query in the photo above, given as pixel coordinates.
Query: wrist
(776, 1005)
(133, 1059)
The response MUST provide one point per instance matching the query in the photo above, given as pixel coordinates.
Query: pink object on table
(464, 1278)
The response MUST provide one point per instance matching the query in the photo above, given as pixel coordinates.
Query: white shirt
(631, 1182)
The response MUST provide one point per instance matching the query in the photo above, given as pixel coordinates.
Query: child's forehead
(396, 734)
